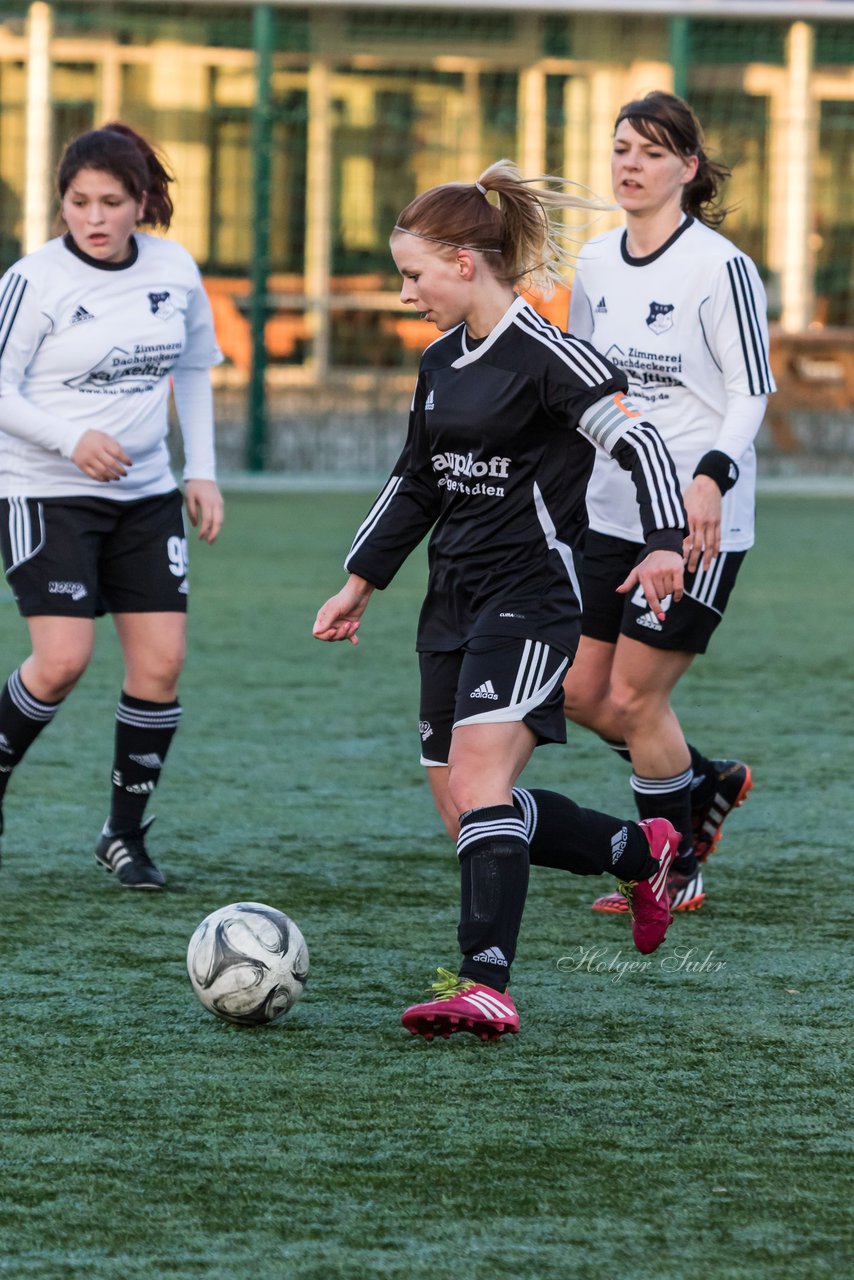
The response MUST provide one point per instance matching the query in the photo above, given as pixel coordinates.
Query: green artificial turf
(660, 1122)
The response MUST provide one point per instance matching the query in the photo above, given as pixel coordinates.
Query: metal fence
(298, 131)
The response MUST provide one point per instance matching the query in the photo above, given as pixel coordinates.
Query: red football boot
(462, 1005)
(648, 900)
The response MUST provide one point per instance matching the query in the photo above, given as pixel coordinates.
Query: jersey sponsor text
(120, 371)
(463, 464)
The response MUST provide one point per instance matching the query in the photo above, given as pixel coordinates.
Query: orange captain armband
(625, 406)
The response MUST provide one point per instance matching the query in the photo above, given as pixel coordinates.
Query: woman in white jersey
(495, 468)
(92, 328)
(682, 312)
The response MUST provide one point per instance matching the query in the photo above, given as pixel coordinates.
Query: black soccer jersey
(496, 463)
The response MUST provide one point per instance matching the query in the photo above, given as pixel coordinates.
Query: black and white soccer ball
(248, 963)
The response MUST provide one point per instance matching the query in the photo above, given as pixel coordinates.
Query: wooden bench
(229, 299)
(289, 324)
(814, 372)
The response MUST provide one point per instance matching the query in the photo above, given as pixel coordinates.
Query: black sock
(669, 798)
(493, 854)
(22, 718)
(704, 780)
(583, 841)
(144, 731)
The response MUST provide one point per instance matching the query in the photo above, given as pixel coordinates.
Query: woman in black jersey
(94, 326)
(496, 463)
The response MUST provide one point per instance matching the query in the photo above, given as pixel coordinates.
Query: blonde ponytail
(515, 220)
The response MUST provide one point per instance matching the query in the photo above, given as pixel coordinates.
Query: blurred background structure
(298, 131)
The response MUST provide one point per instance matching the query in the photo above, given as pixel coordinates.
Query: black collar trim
(651, 257)
(73, 247)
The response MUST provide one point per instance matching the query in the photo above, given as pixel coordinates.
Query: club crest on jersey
(660, 317)
(160, 305)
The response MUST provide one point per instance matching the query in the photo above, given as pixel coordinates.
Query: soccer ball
(248, 963)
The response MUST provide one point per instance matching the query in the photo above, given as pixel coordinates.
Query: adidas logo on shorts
(649, 620)
(485, 690)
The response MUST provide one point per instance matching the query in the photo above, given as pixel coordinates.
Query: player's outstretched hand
(204, 507)
(100, 456)
(339, 618)
(660, 574)
(703, 507)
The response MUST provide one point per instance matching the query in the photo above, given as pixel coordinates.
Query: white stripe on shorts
(530, 690)
(706, 582)
(24, 521)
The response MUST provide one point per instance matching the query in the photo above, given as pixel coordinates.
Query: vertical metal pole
(530, 97)
(797, 284)
(37, 181)
(109, 90)
(680, 54)
(532, 120)
(263, 31)
(471, 142)
(318, 208)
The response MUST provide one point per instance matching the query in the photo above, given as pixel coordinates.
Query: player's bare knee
(465, 789)
(51, 677)
(633, 707)
(581, 710)
(168, 675)
(155, 679)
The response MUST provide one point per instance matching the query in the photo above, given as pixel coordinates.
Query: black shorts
(83, 557)
(688, 625)
(494, 679)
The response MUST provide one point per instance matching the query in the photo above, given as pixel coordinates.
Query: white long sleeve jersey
(688, 327)
(89, 345)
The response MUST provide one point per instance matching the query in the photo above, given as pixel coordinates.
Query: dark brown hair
(120, 151)
(519, 229)
(669, 121)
